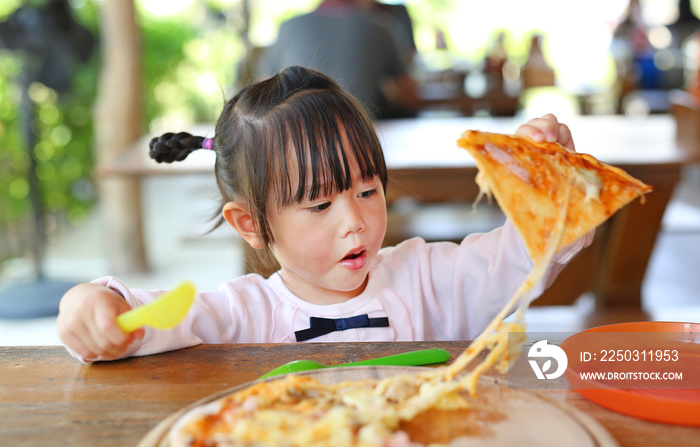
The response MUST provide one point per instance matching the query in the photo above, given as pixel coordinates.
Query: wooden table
(425, 165)
(48, 398)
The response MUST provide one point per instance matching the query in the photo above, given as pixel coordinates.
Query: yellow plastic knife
(165, 312)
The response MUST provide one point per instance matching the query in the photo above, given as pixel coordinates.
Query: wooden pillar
(118, 123)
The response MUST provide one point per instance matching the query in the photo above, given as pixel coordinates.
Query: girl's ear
(238, 216)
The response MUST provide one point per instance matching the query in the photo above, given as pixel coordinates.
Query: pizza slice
(553, 196)
(534, 182)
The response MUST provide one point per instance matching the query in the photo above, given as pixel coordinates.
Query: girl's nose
(352, 221)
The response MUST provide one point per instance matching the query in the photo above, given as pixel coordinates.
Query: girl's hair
(300, 117)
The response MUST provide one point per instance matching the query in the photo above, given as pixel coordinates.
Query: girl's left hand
(547, 128)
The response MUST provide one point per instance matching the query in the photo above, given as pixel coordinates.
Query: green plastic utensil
(413, 358)
(164, 313)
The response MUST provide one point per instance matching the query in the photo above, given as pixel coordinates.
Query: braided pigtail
(171, 147)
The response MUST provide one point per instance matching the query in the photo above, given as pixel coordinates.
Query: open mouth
(355, 260)
(354, 255)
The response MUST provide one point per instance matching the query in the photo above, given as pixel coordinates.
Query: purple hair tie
(208, 143)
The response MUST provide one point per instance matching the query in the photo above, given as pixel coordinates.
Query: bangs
(315, 153)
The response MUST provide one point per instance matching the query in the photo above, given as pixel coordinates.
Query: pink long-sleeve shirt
(428, 291)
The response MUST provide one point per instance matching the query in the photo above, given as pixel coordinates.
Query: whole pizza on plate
(364, 406)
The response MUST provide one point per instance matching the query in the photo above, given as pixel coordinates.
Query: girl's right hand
(548, 128)
(87, 322)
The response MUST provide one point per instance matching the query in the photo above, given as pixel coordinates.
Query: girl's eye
(320, 207)
(367, 194)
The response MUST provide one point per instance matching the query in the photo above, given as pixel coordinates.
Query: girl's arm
(481, 275)
(87, 321)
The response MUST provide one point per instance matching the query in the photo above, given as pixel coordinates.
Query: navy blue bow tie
(323, 326)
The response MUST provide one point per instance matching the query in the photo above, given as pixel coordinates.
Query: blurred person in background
(365, 47)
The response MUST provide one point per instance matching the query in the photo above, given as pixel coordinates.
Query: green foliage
(63, 130)
(63, 150)
(13, 186)
(163, 43)
(176, 51)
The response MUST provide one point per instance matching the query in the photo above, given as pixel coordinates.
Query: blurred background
(81, 80)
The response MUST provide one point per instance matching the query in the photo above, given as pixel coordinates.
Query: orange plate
(668, 405)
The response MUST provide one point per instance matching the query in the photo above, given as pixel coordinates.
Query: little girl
(302, 178)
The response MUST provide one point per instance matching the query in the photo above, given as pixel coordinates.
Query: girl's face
(325, 246)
